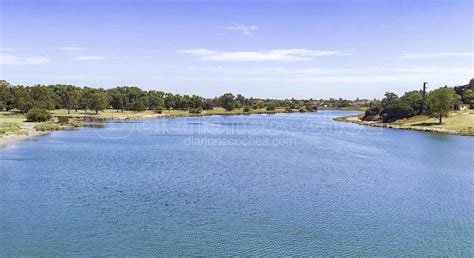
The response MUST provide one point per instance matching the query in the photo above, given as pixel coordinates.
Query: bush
(195, 111)
(159, 110)
(38, 115)
(372, 112)
(63, 119)
(207, 106)
(246, 109)
(302, 110)
(271, 107)
(44, 127)
(288, 110)
(397, 110)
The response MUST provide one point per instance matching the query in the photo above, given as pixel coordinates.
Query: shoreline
(28, 133)
(28, 130)
(356, 119)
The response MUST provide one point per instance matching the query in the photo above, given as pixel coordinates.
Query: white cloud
(86, 58)
(269, 55)
(369, 75)
(435, 55)
(310, 71)
(92, 58)
(244, 29)
(23, 60)
(70, 48)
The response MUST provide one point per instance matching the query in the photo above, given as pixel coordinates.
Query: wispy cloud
(435, 55)
(368, 75)
(23, 60)
(269, 55)
(92, 58)
(244, 29)
(70, 48)
(304, 71)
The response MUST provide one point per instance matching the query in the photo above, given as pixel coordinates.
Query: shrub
(38, 115)
(48, 127)
(271, 107)
(302, 110)
(288, 110)
(246, 109)
(63, 119)
(159, 110)
(195, 111)
(207, 106)
(397, 110)
(372, 112)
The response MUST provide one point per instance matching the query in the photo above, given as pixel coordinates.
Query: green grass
(458, 122)
(10, 128)
(11, 122)
(48, 126)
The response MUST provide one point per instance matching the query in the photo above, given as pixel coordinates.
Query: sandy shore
(28, 133)
(357, 120)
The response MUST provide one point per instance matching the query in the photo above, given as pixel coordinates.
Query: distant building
(460, 106)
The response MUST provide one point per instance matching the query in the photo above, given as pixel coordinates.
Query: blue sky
(266, 48)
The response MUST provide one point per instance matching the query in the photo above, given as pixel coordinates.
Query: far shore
(27, 130)
(457, 123)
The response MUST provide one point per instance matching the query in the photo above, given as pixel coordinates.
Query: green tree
(170, 101)
(99, 102)
(118, 101)
(5, 95)
(207, 105)
(440, 102)
(270, 106)
(397, 110)
(196, 101)
(23, 100)
(390, 97)
(469, 97)
(86, 100)
(154, 101)
(42, 97)
(139, 106)
(71, 98)
(227, 101)
(414, 99)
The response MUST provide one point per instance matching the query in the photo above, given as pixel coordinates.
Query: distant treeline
(436, 103)
(70, 97)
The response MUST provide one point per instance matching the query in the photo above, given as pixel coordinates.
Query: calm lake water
(288, 184)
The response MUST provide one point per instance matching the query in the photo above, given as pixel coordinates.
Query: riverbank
(24, 132)
(457, 123)
(14, 128)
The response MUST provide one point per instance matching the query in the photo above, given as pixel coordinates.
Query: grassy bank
(457, 123)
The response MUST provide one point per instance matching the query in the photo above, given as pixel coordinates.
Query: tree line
(74, 98)
(437, 103)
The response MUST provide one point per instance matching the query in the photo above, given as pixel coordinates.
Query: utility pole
(424, 98)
